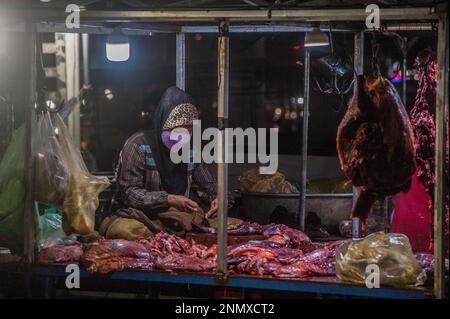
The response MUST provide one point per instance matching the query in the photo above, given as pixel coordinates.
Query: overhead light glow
(316, 38)
(117, 47)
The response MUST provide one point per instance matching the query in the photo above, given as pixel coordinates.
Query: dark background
(266, 73)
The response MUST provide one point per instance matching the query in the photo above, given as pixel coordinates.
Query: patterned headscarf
(181, 115)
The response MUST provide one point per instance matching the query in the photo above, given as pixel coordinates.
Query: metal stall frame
(53, 23)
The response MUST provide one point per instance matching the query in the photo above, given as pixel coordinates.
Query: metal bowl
(265, 208)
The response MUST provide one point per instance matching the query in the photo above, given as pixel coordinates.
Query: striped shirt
(139, 182)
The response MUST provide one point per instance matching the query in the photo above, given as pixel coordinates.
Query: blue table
(314, 285)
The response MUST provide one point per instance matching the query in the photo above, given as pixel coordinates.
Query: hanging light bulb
(316, 38)
(117, 47)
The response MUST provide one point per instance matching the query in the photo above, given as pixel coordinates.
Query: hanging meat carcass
(422, 121)
(375, 143)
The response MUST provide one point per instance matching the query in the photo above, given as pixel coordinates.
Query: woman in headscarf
(154, 194)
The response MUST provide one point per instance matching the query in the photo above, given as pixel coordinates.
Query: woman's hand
(212, 210)
(182, 203)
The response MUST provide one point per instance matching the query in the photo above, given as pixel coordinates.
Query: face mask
(182, 139)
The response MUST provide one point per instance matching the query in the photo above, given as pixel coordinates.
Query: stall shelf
(314, 285)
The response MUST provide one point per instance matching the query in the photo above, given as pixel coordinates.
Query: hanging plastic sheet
(81, 200)
(51, 171)
(12, 193)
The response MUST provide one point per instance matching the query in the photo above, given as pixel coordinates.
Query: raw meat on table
(185, 263)
(286, 252)
(165, 243)
(163, 251)
(117, 248)
(287, 236)
(246, 228)
(105, 256)
(114, 263)
(60, 253)
(285, 262)
(426, 261)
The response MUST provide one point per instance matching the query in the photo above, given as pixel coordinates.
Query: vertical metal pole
(358, 65)
(304, 162)
(404, 65)
(358, 59)
(181, 60)
(222, 169)
(85, 45)
(73, 82)
(61, 84)
(29, 216)
(439, 193)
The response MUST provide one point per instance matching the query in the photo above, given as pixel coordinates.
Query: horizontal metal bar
(98, 29)
(410, 27)
(147, 29)
(350, 195)
(235, 15)
(257, 29)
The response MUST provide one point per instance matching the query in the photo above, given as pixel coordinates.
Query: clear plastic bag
(81, 200)
(51, 175)
(49, 230)
(392, 254)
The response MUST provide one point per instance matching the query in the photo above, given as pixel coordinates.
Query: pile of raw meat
(422, 121)
(164, 251)
(375, 143)
(285, 252)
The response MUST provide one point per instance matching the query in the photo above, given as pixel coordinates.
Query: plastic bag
(12, 193)
(49, 230)
(81, 200)
(390, 252)
(254, 182)
(51, 175)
